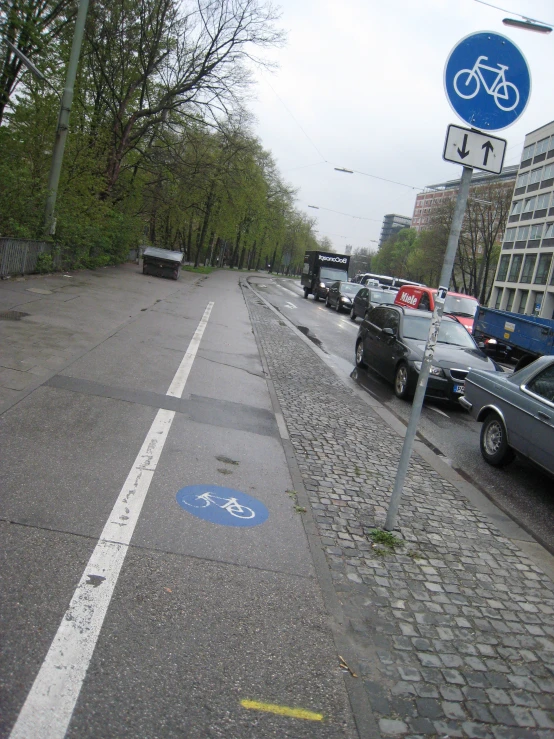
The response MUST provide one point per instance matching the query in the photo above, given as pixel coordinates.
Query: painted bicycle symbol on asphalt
(231, 505)
(467, 84)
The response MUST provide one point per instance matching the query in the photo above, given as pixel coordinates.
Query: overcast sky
(364, 80)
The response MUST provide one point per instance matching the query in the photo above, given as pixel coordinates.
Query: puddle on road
(306, 331)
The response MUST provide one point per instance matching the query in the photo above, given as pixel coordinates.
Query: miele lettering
(341, 260)
(407, 298)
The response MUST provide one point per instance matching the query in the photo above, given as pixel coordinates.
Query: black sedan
(368, 298)
(392, 339)
(341, 295)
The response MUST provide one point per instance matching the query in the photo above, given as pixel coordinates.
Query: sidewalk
(453, 631)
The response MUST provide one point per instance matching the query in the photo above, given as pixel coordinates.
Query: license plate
(459, 389)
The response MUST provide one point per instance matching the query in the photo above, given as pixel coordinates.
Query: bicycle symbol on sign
(505, 94)
(231, 505)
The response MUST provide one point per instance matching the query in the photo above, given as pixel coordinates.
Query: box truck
(320, 270)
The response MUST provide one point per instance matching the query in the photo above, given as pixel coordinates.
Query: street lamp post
(66, 101)
(63, 119)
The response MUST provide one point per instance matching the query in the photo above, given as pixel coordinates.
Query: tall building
(392, 224)
(433, 197)
(524, 281)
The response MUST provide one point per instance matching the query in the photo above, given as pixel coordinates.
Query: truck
(320, 270)
(523, 338)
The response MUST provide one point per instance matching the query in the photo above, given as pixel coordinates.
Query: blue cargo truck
(523, 338)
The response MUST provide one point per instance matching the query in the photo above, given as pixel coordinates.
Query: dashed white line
(49, 706)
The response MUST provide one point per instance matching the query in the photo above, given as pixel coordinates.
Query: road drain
(12, 315)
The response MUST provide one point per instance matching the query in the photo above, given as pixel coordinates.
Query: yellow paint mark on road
(282, 710)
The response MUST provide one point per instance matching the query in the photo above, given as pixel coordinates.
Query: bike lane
(204, 616)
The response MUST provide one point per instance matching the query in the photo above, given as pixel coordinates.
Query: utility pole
(63, 119)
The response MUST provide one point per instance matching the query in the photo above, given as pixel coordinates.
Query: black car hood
(449, 355)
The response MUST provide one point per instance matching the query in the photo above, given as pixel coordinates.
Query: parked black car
(341, 295)
(367, 298)
(392, 339)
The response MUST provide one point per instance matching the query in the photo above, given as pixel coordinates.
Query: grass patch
(384, 539)
(198, 270)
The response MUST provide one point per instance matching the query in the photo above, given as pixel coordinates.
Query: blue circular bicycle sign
(487, 81)
(224, 506)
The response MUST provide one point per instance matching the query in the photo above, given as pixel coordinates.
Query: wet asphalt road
(520, 490)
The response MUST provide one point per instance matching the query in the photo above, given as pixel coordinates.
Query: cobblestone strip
(460, 621)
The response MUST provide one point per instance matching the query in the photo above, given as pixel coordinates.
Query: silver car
(517, 412)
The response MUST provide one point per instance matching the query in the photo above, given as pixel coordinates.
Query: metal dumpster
(161, 262)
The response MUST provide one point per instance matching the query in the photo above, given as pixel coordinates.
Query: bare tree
(170, 57)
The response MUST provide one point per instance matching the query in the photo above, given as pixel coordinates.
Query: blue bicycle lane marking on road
(487, 81)
(223, 506)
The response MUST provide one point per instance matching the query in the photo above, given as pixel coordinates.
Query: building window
(503, 268)
(528, 152)
(522, 179)
(528, 268)
(536, 176)
(529, 205)
(549, 233)
(542, 146)
(510, 234)
(542, 201)
(548, 172)
(524, 294)
(522, 233)
(510, 302)
(536, 231)
(516, 207)
(537, 297)
(515, 268)
(498, 298)
(543, 269)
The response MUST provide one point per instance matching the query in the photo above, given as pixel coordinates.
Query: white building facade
(524, 281)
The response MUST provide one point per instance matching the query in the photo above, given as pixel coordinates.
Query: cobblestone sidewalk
(453, 624)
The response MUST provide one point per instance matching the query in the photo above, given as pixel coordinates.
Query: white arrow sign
(474, 149)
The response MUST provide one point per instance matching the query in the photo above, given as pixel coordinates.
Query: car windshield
(458, 305)
(326, 273)
(450, 332)
(349, 288)
(382, 298)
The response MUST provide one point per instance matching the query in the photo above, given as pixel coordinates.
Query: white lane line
(49, 706)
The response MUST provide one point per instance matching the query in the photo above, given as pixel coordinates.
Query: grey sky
(364, 79)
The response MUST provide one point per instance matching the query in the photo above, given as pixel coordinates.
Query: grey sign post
(480, 105)
(446, 274)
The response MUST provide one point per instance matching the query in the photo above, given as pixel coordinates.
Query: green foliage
(45, 263)
(150, 157)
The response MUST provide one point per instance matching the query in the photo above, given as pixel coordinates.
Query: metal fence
(20, 256)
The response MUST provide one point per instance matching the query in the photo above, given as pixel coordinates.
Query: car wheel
(337, 306)
(494, 441)
(401, 377)
(360, 354)
(316, 297)
(352, 315)
(306, 292)
(327, 303)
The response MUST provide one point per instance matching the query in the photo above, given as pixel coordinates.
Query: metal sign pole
(446, 274)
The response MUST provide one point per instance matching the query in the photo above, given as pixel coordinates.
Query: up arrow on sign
(474, 149)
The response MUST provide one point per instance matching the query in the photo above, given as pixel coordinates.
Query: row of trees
(419, 256)
(160, 148)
